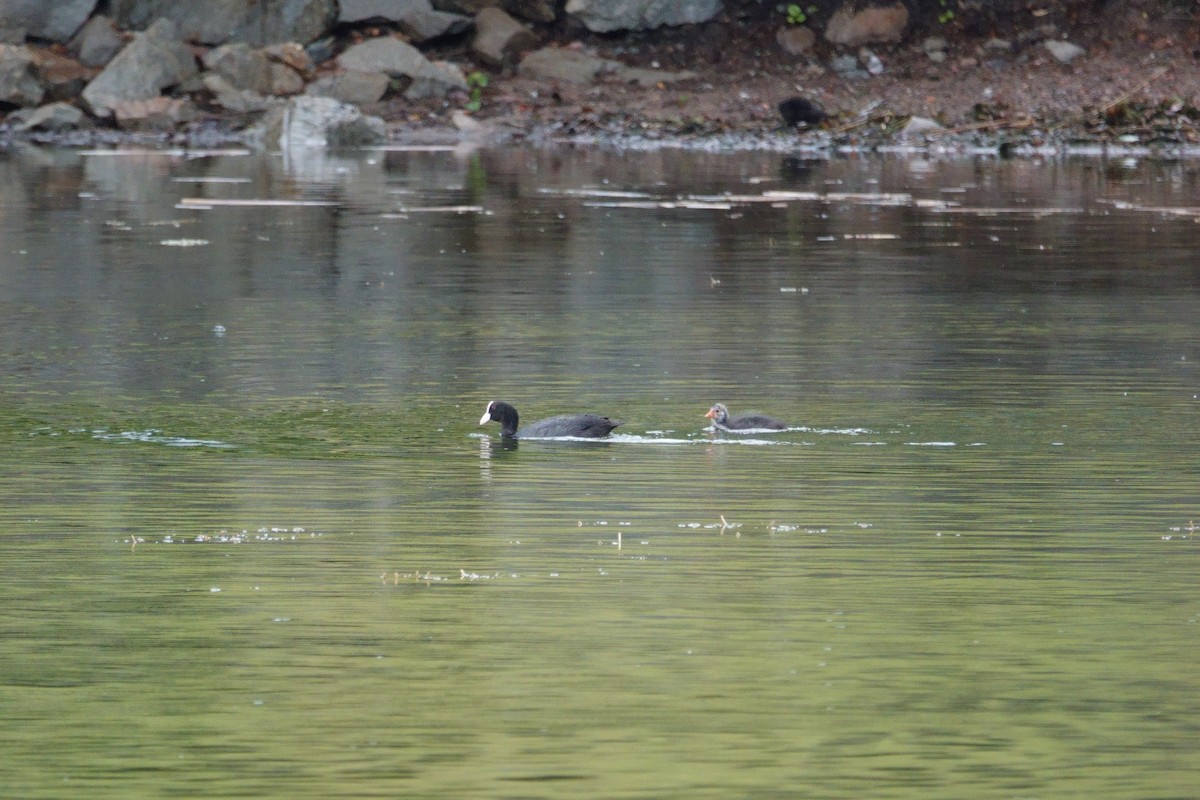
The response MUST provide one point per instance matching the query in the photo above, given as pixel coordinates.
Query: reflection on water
(254, 543)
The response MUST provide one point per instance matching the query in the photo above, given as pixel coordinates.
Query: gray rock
(155, 60)
(307, 122)
(351, 86)
(219, 21)
(241, 65)
(52, 117)
(997, 45)
(12, 36)
(437, 79)
(499, 38)
(232, 98)
(213, 22)
(611, 15)
(385, 54)
(1063, 52)
(918, 127)
(416, 18)
(285, 21)
(852, 28)
(425, 24)
(847, 66)
(290, 54)
(19, 84)
(97, 42)
(52, 20)
(354, 11)
(934, 44)
(560, 64)
(796, 40)
(285, 80)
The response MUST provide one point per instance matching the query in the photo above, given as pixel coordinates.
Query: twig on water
(726, 525)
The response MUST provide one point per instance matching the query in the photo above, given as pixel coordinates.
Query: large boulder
(499, 38)
(52, 20)
(285, 80)
(52, 117)
(306, 122)
(436, 79)
(612, 15)
(568, 66)
(19, 84)
(219, 21)
(155, 60)
(851, 28)
(96, 42)
(385, 54)
(290, 67)
(232, 98)
(416, 18)
(241, 65)
(351, 86)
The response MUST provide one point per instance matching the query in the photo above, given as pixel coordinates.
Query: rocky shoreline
(373, 71)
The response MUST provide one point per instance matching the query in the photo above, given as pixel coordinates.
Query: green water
(279, 558)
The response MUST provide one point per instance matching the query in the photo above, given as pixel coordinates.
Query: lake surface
(254, 543)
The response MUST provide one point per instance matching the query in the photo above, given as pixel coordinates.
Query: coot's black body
(801, 111)
(585, 426)
(719, 414)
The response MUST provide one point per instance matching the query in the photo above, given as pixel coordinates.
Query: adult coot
(719, 414)
(587, 426)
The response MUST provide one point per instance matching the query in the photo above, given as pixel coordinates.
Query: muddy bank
(1127, 80)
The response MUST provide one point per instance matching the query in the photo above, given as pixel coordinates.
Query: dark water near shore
(253, 542)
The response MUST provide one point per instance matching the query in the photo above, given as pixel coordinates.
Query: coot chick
(719, 414)
(587, 426)
(801, 111)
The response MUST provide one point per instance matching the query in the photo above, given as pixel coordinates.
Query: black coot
(719, 414)
(587, 426)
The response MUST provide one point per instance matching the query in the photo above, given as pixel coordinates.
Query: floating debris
(414, 148)
(439, 210)
(210, 202)
(155, 436)
(264, 534)
(209, 180)
(128, 152)
(722, 526)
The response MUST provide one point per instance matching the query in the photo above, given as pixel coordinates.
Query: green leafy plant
(797, 15)
(946, 14)
(476, 83)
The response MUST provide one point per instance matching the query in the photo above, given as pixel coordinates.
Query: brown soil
(1139, 81)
